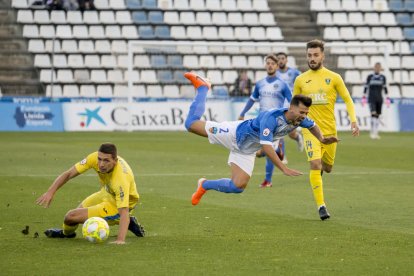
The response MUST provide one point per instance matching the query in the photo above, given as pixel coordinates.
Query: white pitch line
(205, 174)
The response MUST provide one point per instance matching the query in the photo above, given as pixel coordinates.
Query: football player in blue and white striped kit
(244, 138)
(271, 92)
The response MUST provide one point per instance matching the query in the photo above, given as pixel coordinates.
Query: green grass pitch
(274, 231)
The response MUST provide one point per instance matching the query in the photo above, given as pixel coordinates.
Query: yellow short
(101, 204)
(316, 150)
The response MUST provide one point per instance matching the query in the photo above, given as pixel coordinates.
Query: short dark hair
(272, 57)
(281, 54)
(316, 43)
(109, 148)
(305, 100)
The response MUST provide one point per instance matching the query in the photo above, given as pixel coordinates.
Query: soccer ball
(95, 230)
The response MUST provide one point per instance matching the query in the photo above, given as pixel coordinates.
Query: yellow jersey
(323, 86)
(119, 183)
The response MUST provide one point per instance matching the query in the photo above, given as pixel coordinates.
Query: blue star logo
(92, 114)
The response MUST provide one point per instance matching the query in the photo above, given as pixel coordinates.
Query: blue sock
(269, 169)
(197, 107)
(224, 185)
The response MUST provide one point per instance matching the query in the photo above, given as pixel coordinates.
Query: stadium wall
(46, 114)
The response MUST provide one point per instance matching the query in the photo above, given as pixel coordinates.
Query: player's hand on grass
(44, 200)
(118, 242)
(330, 140)
(291, 172)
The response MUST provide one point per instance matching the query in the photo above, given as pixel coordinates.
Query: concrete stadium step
(12, 44)
(15, 74)
(9, 30)
(26, 88)
(16, 59)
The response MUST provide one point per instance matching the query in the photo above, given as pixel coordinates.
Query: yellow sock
(68, 229)
(316, 183)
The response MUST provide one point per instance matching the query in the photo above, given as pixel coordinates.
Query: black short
(375, 107)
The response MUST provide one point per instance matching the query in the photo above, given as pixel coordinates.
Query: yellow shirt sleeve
(344, 93)
(91, 161)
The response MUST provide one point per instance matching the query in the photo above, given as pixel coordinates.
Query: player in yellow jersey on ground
(114, 202)
(323, 86)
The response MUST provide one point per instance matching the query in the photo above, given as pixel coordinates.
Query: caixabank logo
(90, 115)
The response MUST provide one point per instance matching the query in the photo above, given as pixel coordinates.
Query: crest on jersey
(213, 130)
(275, 86)
(83, 162)
(310, 154)
(266, 132)
(328, 81)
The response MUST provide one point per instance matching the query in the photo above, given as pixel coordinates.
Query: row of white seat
(366, 62)
(119, 46)
(174, 91)
(370, 48)
(119, 91)
(356, 18)
(394, 91)
(99, 76)
(144, 61)
(125, 17)
(395, 77)
(131, 32)
(227, 5)
(363, 33)
(349, 5)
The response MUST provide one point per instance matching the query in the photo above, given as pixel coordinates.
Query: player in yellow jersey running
(323, 86)
(114, 202)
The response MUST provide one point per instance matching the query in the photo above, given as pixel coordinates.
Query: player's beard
(271, 73)
(282, 67)
(315, 66)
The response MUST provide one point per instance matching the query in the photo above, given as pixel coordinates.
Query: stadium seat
(210, 33)
(54, 92)
(92, 61)
(274, 33)
(75, 61)
(388, 19)
(363, 33)
(258, 33)
(58, 17)
(229, 5)
(40, 17)
(88, 91)
(104, 91)
(139, 91)
(107, 17)
(96, 31)
(122, 61)
(112, 32)
(395, 33)
(171, 17)
(120, 91)
(324, 18)
(47, 31)
(394, 91)
(25, 16)
(134, 76)
(69, 46)
(244, 5)
(226, 33)
(123, 17)
(352, 76)
(409, 33)
(171, 91)
(408, 62)
(115, 76)
(194, 32)
(372, 19)
(98, 76)
(108, 61)
(256, 62)
(357, 91)
(241, 33)
(80, 31)
(162, 32)
(52, 46)
(223, 62)
(219, 18)
(361, 62)
(63, 31)
(36, 46)
(349, 5)
(401, 76)
(117, 5)
(158, 61)
(81, 76)
(203, 18)
(207, 61)
(356, 18)
(90, 17)
(140, 17)
(380, 5)
(74, 17)
(407, 91)
(86, 46)
(130, 32)
(239, 61)
(215, 77)
(175, 61)
(333, 5)
(59, 61)
(42, 61)
(19, 4)
(154, 91)
(64, 76)
(149, 4)
(213, 5)
(251, 19)
(409, 5)
(365, 5)
(235, 18)
(266, 19)
(70, 91)
(155, 17)
(142, 61)
(133, 4)
(179, 77)
(197, 5)
(146, 31)
(346, 62)
(181, 5)
(148, 76)
(347, 33)
(260, 5)
(101, 4)
(379, 33)
(229, 76)
(165, 76)
(190, 61)
(317, 5)
(46, 75)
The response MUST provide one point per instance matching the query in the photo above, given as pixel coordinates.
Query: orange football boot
(197, 80)
(196, 197)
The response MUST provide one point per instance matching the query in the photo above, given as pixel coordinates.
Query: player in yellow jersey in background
(114, 202)
(323, 86)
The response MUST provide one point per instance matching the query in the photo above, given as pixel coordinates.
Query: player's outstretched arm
(123, 225)
(45, 199)
(324, 140)
(270, 152)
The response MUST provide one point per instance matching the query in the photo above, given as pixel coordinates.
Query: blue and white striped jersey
(271, 92)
